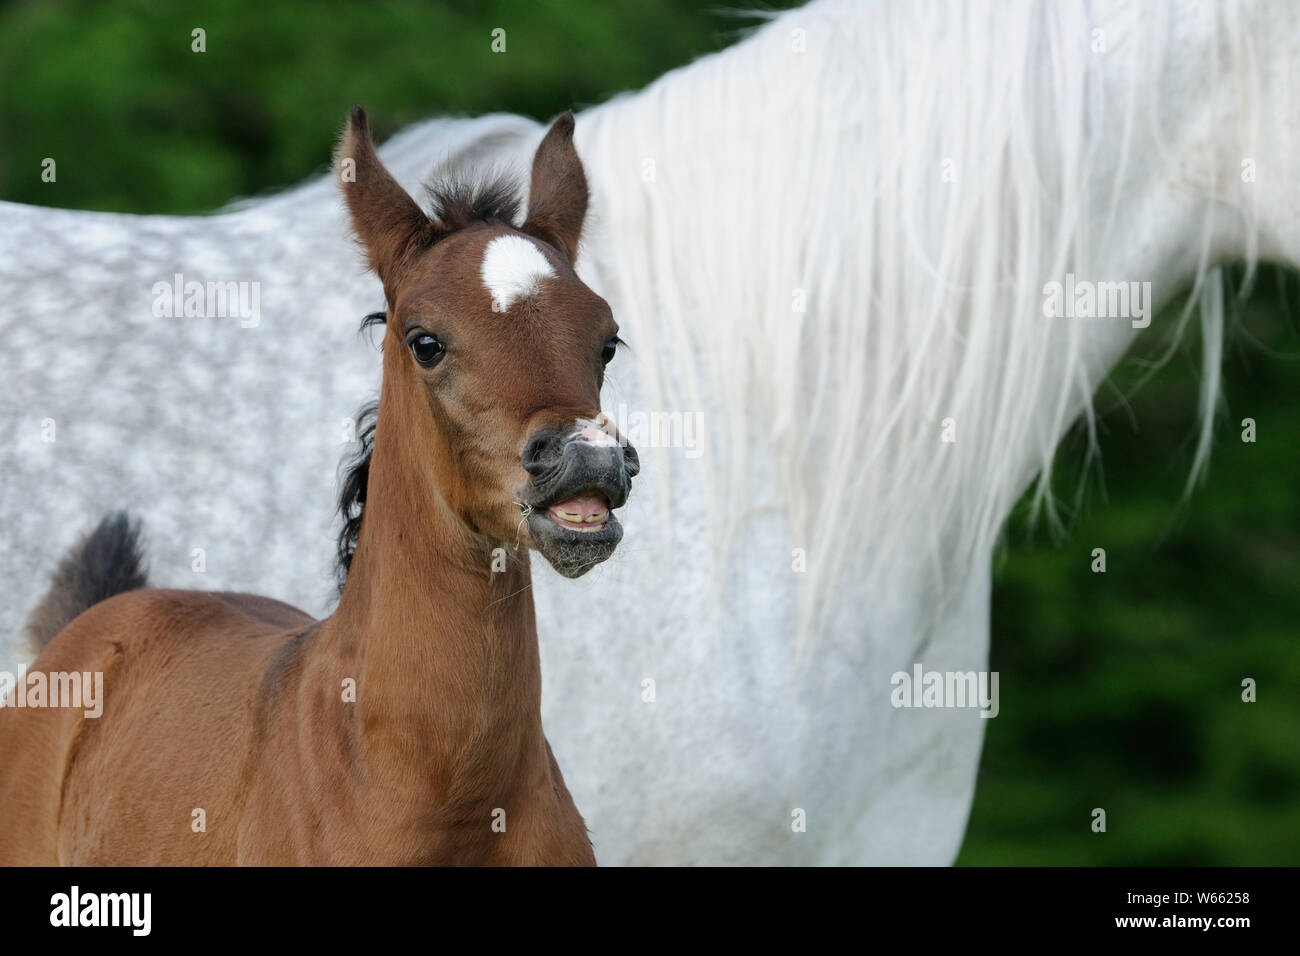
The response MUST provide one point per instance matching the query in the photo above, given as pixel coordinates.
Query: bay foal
(406, 727)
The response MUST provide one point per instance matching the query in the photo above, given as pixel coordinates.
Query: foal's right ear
(385, 218)
(557, 201)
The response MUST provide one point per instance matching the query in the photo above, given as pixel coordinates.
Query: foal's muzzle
(578, 478)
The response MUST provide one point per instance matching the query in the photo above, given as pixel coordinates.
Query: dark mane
(356, 478)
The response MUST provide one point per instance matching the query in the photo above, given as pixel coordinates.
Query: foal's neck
(449, 678)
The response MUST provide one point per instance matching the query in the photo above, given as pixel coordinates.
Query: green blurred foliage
(1118, 690)
(137, 122)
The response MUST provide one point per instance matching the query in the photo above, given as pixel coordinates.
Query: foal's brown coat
(233, 705)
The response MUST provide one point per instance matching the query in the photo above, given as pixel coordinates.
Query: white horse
(830, 248)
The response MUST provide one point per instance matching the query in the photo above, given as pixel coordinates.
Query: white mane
(919, 232)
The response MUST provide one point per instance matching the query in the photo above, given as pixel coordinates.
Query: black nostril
(631, 461)
(541, 452)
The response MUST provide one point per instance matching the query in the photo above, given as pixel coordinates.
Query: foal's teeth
(587, 512)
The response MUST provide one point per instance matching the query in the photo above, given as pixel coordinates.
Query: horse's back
(169, 681)
(160, 623)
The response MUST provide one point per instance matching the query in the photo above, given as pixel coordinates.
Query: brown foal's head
(495, 350)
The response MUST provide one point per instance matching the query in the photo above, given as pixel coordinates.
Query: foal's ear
(557, 199)
(385, 218)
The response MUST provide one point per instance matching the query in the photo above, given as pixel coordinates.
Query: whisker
(509, 596)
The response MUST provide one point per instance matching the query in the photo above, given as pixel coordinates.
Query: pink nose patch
(596, 436)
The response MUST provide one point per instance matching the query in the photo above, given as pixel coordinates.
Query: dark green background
(1119, 691)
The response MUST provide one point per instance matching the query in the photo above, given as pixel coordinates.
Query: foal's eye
(607, 353)
(428, 351)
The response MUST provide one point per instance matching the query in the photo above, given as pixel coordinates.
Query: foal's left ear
(385, 218)
(557, 199)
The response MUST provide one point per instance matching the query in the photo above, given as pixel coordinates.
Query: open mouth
(571, 500)
(576, 533)
(585, 513)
